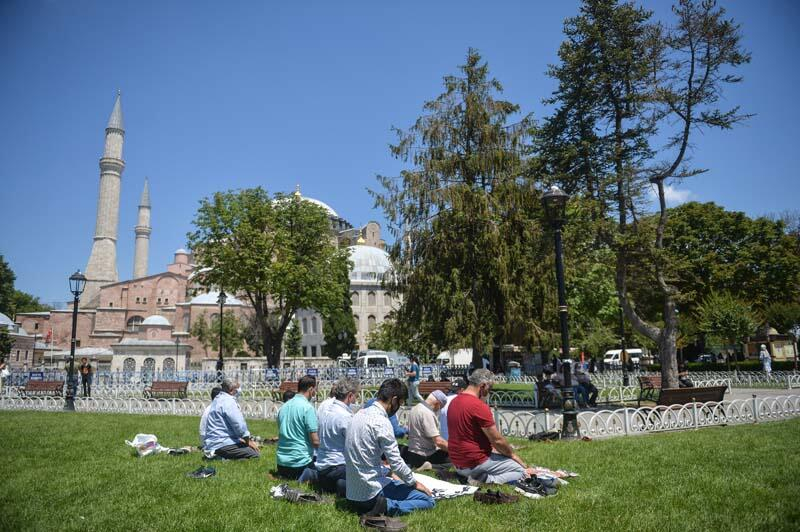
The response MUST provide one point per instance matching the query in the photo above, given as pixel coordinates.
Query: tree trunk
(667, 348)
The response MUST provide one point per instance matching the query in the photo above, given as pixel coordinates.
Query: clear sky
(220, 95)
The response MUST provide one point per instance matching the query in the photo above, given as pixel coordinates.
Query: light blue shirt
(333, 424)
(225, 424)
(296, 420)
(369, 436)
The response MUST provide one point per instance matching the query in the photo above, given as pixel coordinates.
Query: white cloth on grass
(442, 489)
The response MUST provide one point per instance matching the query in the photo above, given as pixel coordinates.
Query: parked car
(706, 357)
(612, 357)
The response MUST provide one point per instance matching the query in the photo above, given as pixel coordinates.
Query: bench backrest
(41, 386)
(681, 396)
(287, 386)
(426, 387)
(167, 386)
(650, 381)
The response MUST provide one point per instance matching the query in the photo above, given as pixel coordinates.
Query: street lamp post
(221, 301)
(555, 205)
(77, 282)
(623, 355)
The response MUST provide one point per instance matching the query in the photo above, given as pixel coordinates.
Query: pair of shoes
(474, 481)
(203, 472)
(536, 488)
(426, 466)
(381, 522)
(293, 495)
(494, 497)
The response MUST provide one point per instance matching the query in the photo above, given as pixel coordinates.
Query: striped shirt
(370, 435)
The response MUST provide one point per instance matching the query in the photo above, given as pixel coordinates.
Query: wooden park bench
(650, 386)
(682, 396)
(426, 387)
(166, 389)
(53, 388)
(285, 386)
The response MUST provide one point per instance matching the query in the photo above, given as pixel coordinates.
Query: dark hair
(215, 392)
(288, 394)
(392, 388)
(306, 382)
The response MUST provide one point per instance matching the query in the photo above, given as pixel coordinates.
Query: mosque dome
(324, 205)
(155, 320)
(5, 321)
(181, 251)
(369, 263)
(212, 298)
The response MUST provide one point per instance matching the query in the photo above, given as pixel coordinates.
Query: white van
(373, 360)
(612, 357)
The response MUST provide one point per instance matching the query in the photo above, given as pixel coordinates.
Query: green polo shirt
(296, 419)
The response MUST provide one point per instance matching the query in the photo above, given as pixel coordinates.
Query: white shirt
(203, 425)
(369, 436)
(333, 424)
(324, 406)
(443, 416)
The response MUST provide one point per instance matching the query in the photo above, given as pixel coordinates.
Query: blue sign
(272, 373)
(352, 372)
(427, 370)
(312, 372)
(388, 372)
(36, 376)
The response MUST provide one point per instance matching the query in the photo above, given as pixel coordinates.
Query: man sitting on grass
(334, 421)
(474, 435)
(297, 433)
(204, 418)
(226, 429)
(369, 437)
(425, 443)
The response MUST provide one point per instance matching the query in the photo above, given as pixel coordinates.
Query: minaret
(142, 230)
(102, 267)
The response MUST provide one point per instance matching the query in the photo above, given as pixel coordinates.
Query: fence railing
(518, 423)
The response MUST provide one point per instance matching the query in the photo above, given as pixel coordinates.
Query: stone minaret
(102, 267)
(142, 230)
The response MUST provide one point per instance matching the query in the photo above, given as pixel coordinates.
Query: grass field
(73, 472)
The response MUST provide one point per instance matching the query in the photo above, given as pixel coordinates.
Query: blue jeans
(401, 499)
(413, 392)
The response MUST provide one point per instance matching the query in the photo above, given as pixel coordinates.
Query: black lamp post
(221, 301)
(623, 355)
(555, 207)
(77, 282)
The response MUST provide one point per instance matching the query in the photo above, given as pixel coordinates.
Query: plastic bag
(145, 444)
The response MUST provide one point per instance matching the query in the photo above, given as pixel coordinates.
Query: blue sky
(220, 95)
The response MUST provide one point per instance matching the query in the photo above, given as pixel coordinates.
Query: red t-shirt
(467, 444)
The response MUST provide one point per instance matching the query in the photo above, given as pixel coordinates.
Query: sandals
(381, 522)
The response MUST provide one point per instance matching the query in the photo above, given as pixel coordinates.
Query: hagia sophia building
(143, 323)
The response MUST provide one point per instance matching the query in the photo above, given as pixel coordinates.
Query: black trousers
(416, 460)
(237, 451)
(292, 473)
(87, 386)
(332, 479)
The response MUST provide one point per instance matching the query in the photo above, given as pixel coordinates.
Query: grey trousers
(497, 469)
(237, 451)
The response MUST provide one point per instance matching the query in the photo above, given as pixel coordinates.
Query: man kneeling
(225, 428)
(370, 435)
(425, 443)
(473, 434)
(334, 420)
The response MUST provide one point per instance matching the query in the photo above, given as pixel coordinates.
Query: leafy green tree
(278, 252)
(202, 332)
(6, 343)
(7, 278)
(293, 340)
(463, 222)
(25, 302)
(384, 337)
(339, 330)
(723, 317)
(622, 80)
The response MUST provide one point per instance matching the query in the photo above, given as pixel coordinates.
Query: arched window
(148, 366)
(186, 322)
(387, 299)
(134, 322)
(129, 365)
(355, 299)
(169, 365)
(314, 328)
(371, 323)
(371, 299)
(305, 325)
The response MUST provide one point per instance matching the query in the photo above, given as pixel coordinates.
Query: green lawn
(73, 472)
